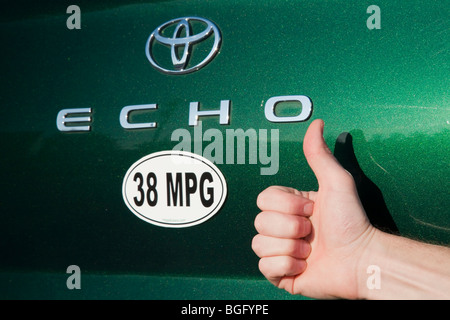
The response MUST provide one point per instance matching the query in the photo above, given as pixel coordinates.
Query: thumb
(328, 171)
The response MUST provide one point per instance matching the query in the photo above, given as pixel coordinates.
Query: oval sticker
(174, 189)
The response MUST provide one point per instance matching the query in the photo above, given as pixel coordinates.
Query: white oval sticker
(174, 189)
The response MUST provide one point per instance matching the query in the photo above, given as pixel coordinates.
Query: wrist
(370, 264)
(394, 267)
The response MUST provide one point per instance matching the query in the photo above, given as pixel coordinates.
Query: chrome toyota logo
(183, 45)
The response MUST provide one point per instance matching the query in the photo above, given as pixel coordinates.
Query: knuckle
(299, 227)
(292, 206)
(259, 222)
(263, 267)
(286, 264)
(265, 196)
(304, 248)
(256, 244)
(294, 248)
(264, 222)
(261, 199)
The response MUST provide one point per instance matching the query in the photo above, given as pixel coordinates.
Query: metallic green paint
(61, 201)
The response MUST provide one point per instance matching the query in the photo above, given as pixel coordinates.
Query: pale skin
(320, 244)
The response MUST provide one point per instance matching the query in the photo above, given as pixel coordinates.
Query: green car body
(61, 200)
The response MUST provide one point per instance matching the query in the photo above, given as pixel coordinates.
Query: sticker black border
(214, 211)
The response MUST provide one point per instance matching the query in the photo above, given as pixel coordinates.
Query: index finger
(285, 200)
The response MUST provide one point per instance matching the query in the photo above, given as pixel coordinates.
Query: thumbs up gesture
(310, 243)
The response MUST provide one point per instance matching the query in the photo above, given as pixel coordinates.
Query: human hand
(311, 243)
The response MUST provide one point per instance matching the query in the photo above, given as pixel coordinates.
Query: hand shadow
(370, 195)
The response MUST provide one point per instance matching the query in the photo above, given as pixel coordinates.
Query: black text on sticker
(179, 189)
